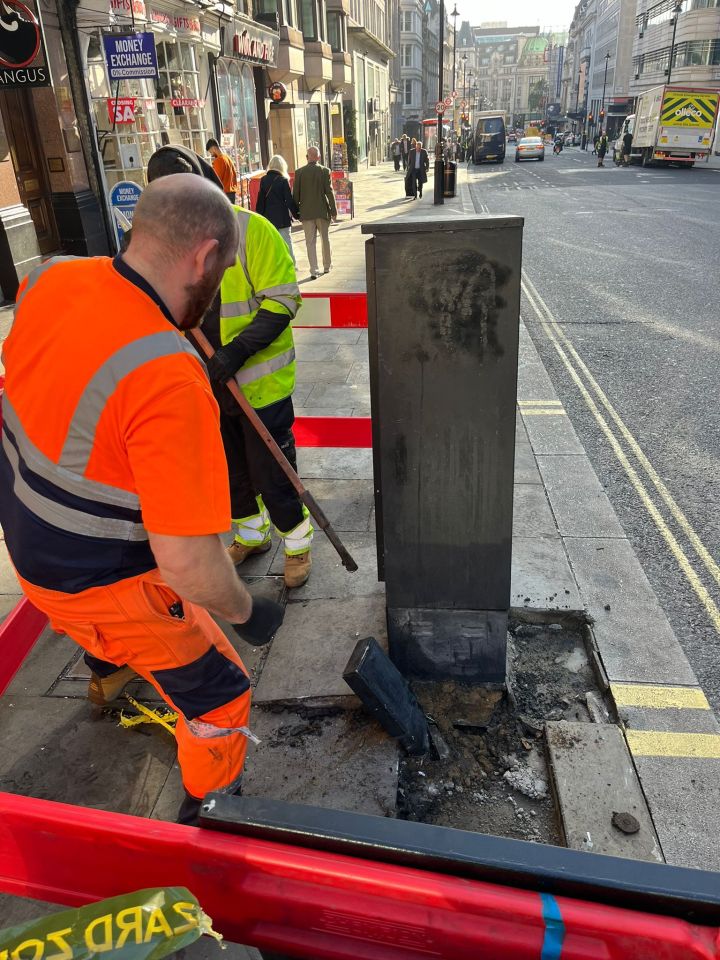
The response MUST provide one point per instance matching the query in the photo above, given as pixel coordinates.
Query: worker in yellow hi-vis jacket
(252, 335)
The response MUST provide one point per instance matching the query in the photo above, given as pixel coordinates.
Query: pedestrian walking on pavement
(113, 485)
(418, 166)
(275, 200)
(627, 148)
(602, 146)
(404, 150)
(395, 151)
(313, 193)
(250, 329)
(596, 141)
(224, 168)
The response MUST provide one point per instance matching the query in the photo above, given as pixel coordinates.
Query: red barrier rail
(316, 905)
(333, 432)
(333, 310)
(18, 633)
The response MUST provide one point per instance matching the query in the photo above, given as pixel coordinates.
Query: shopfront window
(238, 115)
(149, 113)
(314, 129)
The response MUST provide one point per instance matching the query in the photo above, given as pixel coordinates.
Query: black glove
(263, 624)
(226, 362)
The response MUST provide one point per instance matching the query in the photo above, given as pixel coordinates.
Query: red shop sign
(186, 102)
(121, 110)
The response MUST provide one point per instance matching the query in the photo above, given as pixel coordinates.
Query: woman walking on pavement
(275, 200)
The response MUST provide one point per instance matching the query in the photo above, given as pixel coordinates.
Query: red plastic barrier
(333, 310)
(319, 905)
(333, 432)
(18, 633)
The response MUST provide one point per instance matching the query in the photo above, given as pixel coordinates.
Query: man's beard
(199, 298)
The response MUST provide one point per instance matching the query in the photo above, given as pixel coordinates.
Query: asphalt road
(627, 262)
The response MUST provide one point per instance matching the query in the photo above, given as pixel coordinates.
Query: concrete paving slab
(342, 336)
(315, 371)
(532, 516)
(684, 798)
(49, 748)
(357, 352)
(43, 665)
(360, 372)
(594, 778)
(526, 469)
(8, 601)
(364, 410)
(323, 411)
(8, 581)
(330, 580)
(580, 504)
(329, 394)
(533, 380)
(335, 463)
(667, 720)
(344, 762)
(313, 646)
(320, 351)
(634, 638)
(552, 434)
(348, 504)
(541, 576)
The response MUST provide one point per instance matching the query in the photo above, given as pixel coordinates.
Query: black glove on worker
(226, 361)
(263, 624)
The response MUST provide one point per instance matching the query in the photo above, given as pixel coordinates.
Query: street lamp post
(439, 182)
(454, 16)
(602, 109)
(677, 10)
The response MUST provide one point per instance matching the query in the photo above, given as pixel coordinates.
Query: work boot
(239, 552)
(297, 569)
(103, 691)
(189, 811)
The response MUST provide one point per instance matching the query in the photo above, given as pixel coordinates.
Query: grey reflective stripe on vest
(66, 518)
(35, 275)
(243, 219)
(239, 308)
(251, 374)
(81, 432)
(59, 476)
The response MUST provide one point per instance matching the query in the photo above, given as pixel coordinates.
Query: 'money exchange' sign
(130, 56)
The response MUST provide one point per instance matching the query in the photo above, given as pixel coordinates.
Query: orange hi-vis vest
(102, 396)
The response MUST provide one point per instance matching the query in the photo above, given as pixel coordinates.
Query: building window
(126, 148)
(238, 115)
(337, 31)
(407, 55)
(310, 19)
(406, 23)
(408, 97)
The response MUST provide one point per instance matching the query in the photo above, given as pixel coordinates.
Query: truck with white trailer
(671, 124)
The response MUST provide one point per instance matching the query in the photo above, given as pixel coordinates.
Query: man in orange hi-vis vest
(113, 479)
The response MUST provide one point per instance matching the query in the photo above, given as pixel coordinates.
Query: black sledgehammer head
(375, 679)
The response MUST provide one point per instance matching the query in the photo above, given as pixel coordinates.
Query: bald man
(113, 480)
(313, 193)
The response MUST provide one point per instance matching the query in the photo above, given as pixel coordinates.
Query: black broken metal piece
(384, 691)
(692, 895)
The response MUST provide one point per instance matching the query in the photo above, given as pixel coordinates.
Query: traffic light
(602, 116)
(590, 118)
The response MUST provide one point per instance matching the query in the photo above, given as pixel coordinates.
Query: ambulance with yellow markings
(672, 124)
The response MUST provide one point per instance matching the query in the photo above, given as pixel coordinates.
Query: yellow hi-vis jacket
(263, 277)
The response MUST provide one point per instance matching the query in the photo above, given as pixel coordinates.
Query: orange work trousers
(189, 661)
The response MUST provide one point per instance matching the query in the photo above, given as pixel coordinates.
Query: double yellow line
(616, 432)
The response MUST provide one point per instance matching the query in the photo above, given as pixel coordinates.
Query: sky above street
(517, 13)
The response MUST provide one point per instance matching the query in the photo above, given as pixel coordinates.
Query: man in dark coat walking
(417, 168)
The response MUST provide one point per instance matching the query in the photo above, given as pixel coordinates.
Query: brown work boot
(103, 691)
(239, 553)
(297, 570)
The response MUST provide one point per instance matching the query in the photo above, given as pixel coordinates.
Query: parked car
(569, 139)
(530, 148)
(511, 138)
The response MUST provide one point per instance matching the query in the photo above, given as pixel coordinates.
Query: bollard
(443, 319)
